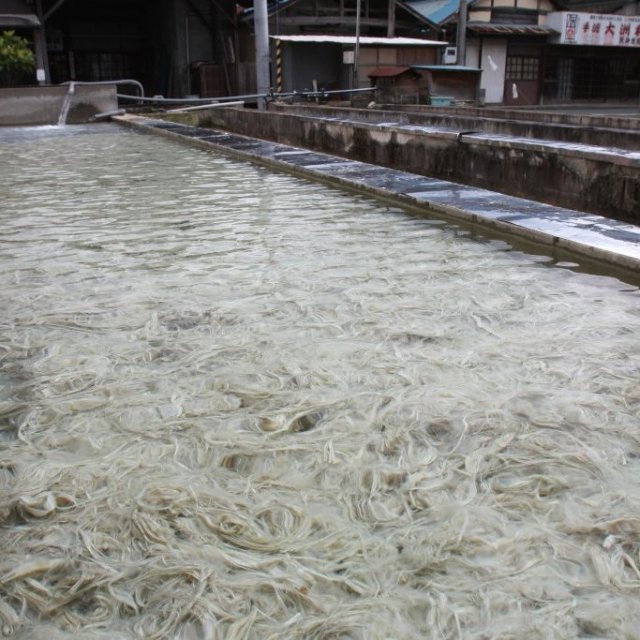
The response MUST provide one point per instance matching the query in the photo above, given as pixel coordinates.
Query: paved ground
(595, 237)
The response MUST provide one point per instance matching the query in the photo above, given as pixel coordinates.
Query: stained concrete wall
(30, 106)
(545, 115)
(601, 183)
(592, 130)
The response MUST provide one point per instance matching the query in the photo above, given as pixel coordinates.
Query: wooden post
(391, 19)
(461, 39)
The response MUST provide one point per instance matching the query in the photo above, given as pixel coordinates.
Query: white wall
(493, 64)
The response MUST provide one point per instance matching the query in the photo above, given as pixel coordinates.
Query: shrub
(17, 61)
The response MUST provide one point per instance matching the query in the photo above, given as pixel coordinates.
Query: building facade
(160, 43)
(534, 52)
(529, 52)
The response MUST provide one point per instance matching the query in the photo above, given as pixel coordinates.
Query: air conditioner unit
(450, 55)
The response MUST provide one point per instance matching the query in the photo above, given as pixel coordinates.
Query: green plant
(16, 58)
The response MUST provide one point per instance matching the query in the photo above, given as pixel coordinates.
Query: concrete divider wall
(533, 114)
(31, 106)
(599, 183)
(623, 133)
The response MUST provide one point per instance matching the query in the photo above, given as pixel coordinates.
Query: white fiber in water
(235, 404)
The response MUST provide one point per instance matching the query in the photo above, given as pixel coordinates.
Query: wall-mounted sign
(594, 29)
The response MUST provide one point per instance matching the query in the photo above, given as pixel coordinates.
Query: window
(511, 15)
(522, 68)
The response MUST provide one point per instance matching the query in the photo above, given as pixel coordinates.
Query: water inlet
(66, 103)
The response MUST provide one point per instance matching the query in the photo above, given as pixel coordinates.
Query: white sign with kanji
(596, 29)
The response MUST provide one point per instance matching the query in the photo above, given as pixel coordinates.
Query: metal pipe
(311, 93)
(108, 114)
(243, 98)
(211, 105)
(163, 100)
(66, 103)
(356, 51)
(137, 84)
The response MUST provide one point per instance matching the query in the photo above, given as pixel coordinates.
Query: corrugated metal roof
(435, 11)
(388, 72)
(275, 6)
(351, 40)
(507, 29)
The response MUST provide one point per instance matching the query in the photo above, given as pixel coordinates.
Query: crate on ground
(442, 101)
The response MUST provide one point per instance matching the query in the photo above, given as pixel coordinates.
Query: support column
(391, 19)
(261, 34)
(40, 44)
(356, 50)
(461, 36)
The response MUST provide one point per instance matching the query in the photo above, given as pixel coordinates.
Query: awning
(19, 20)
(275, 6)
(388, 72)
(458, 68)
(351, 40)
(510, 29)
(436, 12)
(17, 14)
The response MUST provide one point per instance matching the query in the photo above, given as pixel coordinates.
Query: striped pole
(279, 83)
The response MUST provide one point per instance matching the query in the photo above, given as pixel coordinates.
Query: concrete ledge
(584, 177)
(544, 115)
(591, 237)
(32, 106)
(591, 130)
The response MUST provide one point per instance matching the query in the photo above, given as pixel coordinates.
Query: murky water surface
(240, 405)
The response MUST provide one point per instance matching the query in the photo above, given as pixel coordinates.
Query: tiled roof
(507, 29)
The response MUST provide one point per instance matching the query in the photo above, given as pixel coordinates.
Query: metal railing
(305, 94)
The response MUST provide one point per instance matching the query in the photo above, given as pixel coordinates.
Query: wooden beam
(200, 15)
(230, 19)
(53, 9)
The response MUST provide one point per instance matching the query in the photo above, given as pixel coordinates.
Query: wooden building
(397, 85)
(331, 62)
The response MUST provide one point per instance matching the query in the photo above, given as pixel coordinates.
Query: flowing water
(66, 104)
(236, 404)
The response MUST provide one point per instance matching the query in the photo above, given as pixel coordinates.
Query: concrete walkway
(595, 237)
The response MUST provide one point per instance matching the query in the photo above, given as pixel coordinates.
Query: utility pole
(356, 51)
(261, 34)
(461, 35)
(391, 19)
